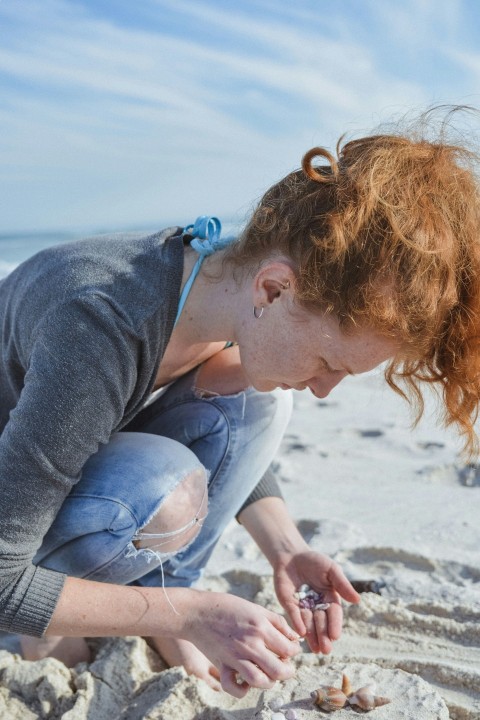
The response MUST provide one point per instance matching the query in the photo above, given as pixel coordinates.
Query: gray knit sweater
(83, 329)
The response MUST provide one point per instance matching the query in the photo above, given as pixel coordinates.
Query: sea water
(17, 247)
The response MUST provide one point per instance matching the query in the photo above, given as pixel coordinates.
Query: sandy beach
(389, 503)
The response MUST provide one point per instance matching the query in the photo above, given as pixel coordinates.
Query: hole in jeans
(179, 519)
(161, 538)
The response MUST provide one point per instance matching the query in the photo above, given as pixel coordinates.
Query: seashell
(329, 698)
(278, 716)
(306, 603)
(322, 606)
(309, 599)
(291, 714)
(276, 703)
(365, 698)
(346, 685)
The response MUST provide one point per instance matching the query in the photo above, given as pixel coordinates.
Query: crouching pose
(145, 388)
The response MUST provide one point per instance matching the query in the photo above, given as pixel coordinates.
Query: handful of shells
(364, 699)
(310, 599)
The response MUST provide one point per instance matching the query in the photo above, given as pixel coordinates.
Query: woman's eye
(326, 366)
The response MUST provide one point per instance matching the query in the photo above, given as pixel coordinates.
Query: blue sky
(115, 113)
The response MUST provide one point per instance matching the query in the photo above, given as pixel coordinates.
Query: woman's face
(295, 348)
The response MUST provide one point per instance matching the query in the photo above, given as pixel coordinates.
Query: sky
(119, 114)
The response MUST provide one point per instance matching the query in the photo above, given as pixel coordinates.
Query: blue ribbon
(206, 233)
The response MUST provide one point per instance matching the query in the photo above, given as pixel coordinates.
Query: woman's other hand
(251, 646)
(295, 564)
(319, 627)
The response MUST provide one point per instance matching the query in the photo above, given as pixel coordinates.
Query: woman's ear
(271, 281)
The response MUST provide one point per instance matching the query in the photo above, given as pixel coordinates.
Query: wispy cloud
(194, 106)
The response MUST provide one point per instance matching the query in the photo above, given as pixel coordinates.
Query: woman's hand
(294, 564)
(247, 643)
(321, 573)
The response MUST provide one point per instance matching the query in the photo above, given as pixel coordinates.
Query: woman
(145, 392)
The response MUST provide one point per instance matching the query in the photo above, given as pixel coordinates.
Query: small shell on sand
(412, 698)
(276, 703)
(329, 698)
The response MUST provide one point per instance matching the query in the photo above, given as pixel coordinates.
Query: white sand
(388, 503)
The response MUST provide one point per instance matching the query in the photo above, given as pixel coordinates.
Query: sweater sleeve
(266, 487)
(81, 372)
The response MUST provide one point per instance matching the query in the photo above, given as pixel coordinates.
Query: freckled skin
(299, 349)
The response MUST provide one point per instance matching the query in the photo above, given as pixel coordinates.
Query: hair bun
(314, 173)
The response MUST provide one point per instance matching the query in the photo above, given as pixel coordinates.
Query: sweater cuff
(39, 602)
(267, 487)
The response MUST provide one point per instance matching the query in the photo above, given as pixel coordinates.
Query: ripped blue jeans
(231, 439)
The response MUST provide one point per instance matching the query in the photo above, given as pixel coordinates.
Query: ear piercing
(258, 311)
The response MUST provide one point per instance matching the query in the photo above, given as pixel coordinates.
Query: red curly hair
(388, 235)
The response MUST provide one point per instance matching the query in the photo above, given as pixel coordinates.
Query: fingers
(248, 674)
(267, 659)
(213, 679)
(228, 679)
(291, 606)
(238, 682)
(343, 586)
(335, 619)
(323, 627)
(263, 668)
(243, 637)
(286, 644)
(257, 677)
(317, 631)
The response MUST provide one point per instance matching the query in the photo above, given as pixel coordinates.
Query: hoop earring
(256, 314)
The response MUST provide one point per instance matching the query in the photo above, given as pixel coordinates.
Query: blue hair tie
(206, 240)
(206, 235)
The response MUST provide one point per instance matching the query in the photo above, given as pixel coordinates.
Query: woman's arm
(237, 636)
(294, 564)
(81, 371)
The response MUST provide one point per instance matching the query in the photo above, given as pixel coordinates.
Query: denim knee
(249, 428)
(122, 488)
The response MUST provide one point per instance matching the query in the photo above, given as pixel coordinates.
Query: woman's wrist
(268, 522)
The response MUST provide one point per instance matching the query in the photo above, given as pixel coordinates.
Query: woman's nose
(322, 386)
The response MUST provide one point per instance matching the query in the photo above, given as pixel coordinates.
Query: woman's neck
(210, 308)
